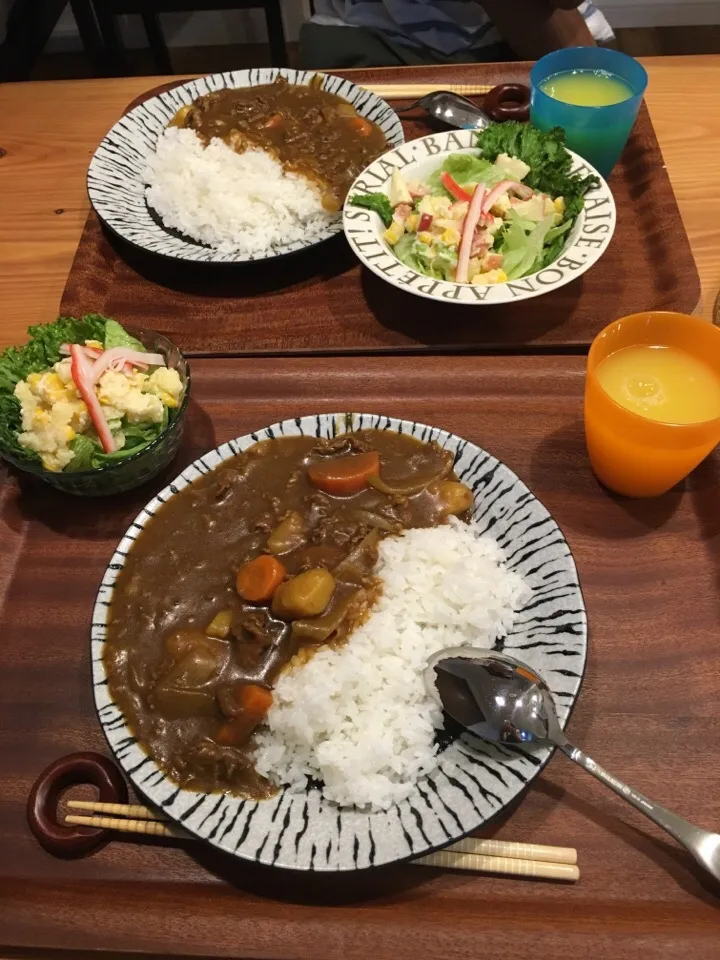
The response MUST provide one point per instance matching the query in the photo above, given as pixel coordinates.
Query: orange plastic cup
(632, 454)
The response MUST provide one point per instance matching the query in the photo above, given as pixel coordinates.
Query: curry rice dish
(255, 167)
(252, 568)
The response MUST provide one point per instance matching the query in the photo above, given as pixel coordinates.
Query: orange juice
(662, 383)
(652, 401)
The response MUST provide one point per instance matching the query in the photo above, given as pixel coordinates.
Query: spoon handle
(700, 843)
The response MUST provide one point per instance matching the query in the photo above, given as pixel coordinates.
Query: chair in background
(107, 12)
(30, 25)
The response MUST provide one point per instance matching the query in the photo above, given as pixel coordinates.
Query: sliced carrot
(235, 732)
(362, 126)
(258, 579)
(274, 122)
(255, 700)
(344, 476)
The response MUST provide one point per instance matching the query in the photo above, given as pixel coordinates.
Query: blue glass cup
(598, 134)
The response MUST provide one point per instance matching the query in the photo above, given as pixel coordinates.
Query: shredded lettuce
(438, 262)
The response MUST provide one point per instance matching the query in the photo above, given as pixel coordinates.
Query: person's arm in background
(533, 28)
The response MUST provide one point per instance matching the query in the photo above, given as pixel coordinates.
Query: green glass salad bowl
(136, 469)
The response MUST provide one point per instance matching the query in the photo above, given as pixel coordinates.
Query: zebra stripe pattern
(115, 178)
(473, 780)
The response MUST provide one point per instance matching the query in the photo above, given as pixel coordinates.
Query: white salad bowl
(586, 242)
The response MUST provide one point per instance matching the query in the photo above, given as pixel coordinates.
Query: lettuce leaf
(117, 336)
(554, 243)
(464, 168)
(84, 449)
(524, 254)
(377, 202)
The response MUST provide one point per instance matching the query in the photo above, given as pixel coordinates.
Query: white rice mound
(358, 718)
(236, 202)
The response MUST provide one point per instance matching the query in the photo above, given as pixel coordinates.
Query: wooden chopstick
(149, 828)
(482, 856)
(118, 809)
(410, 91)
(450, 860)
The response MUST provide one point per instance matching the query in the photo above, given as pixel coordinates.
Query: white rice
(236, 202)
(358, 718)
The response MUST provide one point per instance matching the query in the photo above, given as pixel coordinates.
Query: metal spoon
(500, 699)
(452, 109)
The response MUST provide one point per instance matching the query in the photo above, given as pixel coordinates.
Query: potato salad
(104, 398)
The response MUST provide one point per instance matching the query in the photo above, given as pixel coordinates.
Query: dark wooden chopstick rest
(63, 840)
(508, 101)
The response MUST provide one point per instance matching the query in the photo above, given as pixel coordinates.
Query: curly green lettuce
(544, 152)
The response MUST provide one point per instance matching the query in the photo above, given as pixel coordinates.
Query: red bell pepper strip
(425, 221)
(454, 188)
(82, 378)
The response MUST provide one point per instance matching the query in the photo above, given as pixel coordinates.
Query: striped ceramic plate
(116, 174)
(473, 781)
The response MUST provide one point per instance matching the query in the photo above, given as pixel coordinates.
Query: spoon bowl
(452, 109)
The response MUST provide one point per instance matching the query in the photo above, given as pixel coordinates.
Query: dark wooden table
(648, 710)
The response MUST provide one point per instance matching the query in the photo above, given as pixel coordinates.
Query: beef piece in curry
(309, 131)
(255, 563)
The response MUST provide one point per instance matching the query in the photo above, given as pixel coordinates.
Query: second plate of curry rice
(261, 633)
(239, 166)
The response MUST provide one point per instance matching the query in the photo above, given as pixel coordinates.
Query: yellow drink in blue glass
(587, 88)
(593, 94)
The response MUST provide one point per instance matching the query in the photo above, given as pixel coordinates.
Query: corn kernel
(451, 237)
(393, 233)
(40, 418)
(411, 224)
(559, 204)
(425, 237)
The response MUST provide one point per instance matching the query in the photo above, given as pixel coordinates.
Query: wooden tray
(322, 301)
(649, 707)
